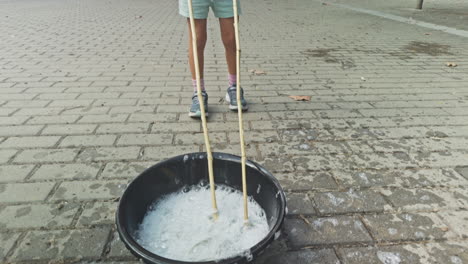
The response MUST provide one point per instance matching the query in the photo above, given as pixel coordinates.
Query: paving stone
(254, 136)
(349, 202)
(89, 190)
(441, 159)
(150, 117)
(14, 131)
(24, 192)
(409, 226)
(88, 141)
(421, 199)
(304, 135)
(400, 178)
(145, 139)
(30, 142)
(176, 127)
(37, 216)
(58, 119)
(198, 138)
(11, 173)
(125, 169)
(448, 252)
(103, 118)
(97, 213)
(277, 164)
(46, 155)
(68, 129)
(66, 171)
(13, 120)
(122, 128)
(310, 147)
(7, 239)
(463, 171)
(330, 230)
(299, 203)
(118, 249)
(457, 221)
(306, 181)
(411, 253)
(166, 152)
(109, 153)
(62, 244)
(310, 256)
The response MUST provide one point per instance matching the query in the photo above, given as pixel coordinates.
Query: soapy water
(181, 226)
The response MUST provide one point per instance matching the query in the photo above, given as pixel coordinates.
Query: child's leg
(200, 28)
(229, 40)
(228, 36)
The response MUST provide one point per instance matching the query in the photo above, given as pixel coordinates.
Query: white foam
(180, 226)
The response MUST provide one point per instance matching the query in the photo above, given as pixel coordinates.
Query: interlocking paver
(66, 171)
(330, 230)
(30, 142)
(62, 244)
(88, 190)
(24, 192)
(37, 216)
(88, 141)
(8, 239)
(46, 155)
(13, 173)
(409, 226)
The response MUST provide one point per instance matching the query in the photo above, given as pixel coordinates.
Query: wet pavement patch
(429, 48)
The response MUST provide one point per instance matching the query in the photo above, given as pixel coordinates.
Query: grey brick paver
(88, 140)
(30, 142)
(8, 239)
(46, 155)
(68, 129)
(37, 216)
(6, 154)
(62, 244)
(87, 190)
(24, 192)
(66, 171)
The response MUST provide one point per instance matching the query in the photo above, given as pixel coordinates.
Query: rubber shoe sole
(234, 107)
(196, 114)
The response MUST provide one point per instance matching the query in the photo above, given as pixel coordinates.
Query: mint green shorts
(221, 8)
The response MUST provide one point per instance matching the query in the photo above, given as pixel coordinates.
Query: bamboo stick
(203, 113)
(239, 111)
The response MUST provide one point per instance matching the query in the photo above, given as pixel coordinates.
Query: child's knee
(229, 42)
(201, 43)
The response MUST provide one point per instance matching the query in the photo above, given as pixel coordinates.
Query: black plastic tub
(189, 169)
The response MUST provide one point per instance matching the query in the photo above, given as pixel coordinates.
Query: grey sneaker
(195, 108)
(231, 98)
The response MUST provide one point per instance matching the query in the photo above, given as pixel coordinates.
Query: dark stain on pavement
(433, 49)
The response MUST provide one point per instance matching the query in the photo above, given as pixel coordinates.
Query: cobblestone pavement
(375, 166)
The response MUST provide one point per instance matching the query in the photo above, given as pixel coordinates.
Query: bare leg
(229, 40)
(200, 28)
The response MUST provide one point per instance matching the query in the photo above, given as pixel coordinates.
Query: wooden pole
(420, 4)
(202, 109)
(239, 111)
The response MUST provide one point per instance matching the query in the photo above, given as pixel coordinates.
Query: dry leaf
(451, 64)
(300, 97)
(444, 229)
(304, 219)
(427, 33)
(257, 72)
